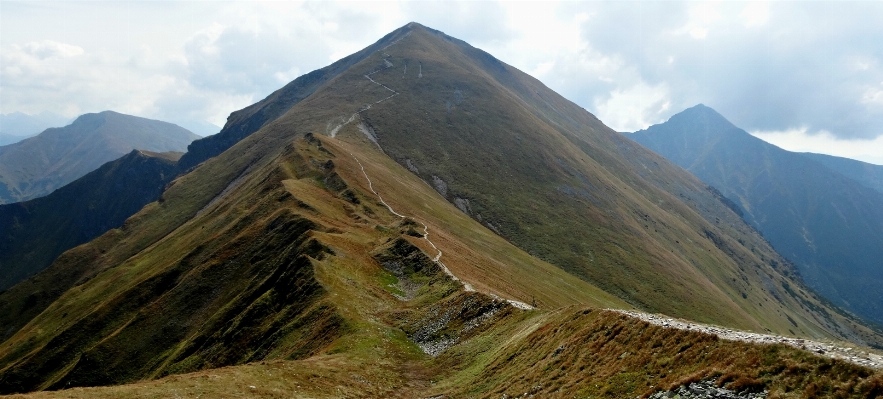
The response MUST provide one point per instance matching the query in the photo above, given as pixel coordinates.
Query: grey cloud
(474, 21)
(247, 62)
(797, 70)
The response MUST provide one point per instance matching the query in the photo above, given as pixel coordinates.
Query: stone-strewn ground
(852, 355)
(705, 390)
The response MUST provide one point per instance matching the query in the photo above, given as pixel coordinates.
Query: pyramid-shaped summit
(397, 222)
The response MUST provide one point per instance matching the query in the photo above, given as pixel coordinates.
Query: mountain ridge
(866, 174)
(204, 276)
(38, 230)
(38, 165)
(820, 219)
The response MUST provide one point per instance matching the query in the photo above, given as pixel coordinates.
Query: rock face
(706, 390)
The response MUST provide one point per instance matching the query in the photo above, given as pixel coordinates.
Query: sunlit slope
(549, 177)
(573, 352)
(276, 266)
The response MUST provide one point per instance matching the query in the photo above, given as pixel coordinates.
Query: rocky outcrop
(706, 390)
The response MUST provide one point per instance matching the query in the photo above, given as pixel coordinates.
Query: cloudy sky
(807, 76)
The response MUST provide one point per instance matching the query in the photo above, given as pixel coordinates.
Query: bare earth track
(851, 355)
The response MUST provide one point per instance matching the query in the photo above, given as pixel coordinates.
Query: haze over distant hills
(35, 232)
(821, 212)
(420, 219)
(866, 174)
(17, 126)
(38, 165)
(201, 128)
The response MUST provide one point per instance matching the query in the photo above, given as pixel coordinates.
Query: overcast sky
(807, 76)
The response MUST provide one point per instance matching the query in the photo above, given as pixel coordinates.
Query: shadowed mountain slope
(333, 252)
(35, 232)
(866, 174)
(37, 166)
(21, 259)
(17, 126)
(830, 226)
(548, 176)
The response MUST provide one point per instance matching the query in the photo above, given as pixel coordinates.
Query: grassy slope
(372, 355)
(99, 332)
(39, 230)
(570, 351)
(647, 232)
(827, 224)
(866, 174)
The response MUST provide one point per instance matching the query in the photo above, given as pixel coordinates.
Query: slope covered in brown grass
(281, 250)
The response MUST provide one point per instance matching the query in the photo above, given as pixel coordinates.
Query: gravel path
(387, 65)
(852, 355)
(437, 258)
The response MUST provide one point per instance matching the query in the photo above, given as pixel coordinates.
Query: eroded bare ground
(861, 357)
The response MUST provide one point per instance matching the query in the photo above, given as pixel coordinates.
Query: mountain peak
(704, 113)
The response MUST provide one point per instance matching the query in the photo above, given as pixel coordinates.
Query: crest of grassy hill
(274, 250)
(552, 179)
(367, 338)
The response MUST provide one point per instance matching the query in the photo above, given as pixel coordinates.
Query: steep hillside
(280, 266)
(866, 174)
(573, 352)
(367, 235)
(35, 232)
(19, 256)
(37, 166)
(830, 226)
(551, 178)
(240, 124)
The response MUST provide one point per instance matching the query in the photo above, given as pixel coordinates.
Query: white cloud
(801, 140)
(755, 13)
(874, 96)
(45, 49)
(702, 16)
(634, 108)
(764, 65)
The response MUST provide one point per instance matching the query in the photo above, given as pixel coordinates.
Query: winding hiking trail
(437, 259)
(333, 133)
(852, 355)
(387, 65)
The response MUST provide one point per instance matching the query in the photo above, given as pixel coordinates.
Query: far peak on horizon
(794, 140)
(666, 57)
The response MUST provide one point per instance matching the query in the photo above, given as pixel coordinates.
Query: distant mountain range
(35, 232)
(823, 213)
(866, 174)
(418, 219)
(201, 128)
(38, 165)
(17, 126)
